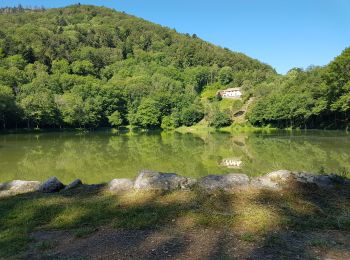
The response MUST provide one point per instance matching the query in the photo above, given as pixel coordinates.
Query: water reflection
(100, 156)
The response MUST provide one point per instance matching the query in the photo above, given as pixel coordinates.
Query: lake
(101, 156)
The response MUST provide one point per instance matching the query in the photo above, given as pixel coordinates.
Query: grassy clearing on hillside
(210, 91)
(200, 128)
(232, 105)
(255, 214)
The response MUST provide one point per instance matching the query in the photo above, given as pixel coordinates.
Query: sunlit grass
(247, 212)
(230, 104)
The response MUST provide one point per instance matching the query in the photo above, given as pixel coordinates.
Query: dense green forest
(86, 66)
(318, 97)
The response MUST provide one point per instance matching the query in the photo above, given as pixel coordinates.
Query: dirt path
(109, 243)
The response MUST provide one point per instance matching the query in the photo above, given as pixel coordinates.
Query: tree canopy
(318, 97)
(87, 66)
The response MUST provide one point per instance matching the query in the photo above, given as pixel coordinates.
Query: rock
(346, 182)
(225, 182)
(24, 186)
(188, 183)
(265, 183)
(322, 181)
(273, 180)
(18, 187)
(339, 179)
(73, 184)
(95, 186)
(281, 175)
(304, 177)
(148, 180)
(120, 185)
(51, 185)
(277, 179)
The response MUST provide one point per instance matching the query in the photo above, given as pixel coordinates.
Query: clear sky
(282, 33)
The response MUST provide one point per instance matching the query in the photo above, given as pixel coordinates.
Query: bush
(192, 115)
(168, 123)
(115, 119)
(148, 114)
(219, 119)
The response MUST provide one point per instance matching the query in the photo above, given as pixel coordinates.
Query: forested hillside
(86, 66)
(318, 97)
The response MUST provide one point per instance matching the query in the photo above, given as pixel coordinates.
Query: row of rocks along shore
(150, 180)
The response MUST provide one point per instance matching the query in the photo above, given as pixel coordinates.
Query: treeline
(86, 66)
(318, 97)
(19, 9)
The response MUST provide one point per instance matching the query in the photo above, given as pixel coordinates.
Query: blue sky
(282, 33)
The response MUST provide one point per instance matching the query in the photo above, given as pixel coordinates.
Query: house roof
(227, 90)
(232, 89)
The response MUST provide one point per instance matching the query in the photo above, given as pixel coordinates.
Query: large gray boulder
(273, 180)
(339, 179)
(278, 179)
(51, 185)
(18, 187)
(120, 185)
(74, 184)
(149, 180)
(281, 175)
(227, 182)
(322, 181)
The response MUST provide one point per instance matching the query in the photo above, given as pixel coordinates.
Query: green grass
(200, 128)
(83, 211)
(320, 243)
(345, 173)
(248, 237)
(230, 104)
(210, 91)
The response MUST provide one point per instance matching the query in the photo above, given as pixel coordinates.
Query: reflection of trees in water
(84, 157)
(97, 157)
(67, 157)
(36, 157)
(302, 154)
(165, 152)
(223, 146)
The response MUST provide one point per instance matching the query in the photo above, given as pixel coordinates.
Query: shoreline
(196, 129)
(151, 180)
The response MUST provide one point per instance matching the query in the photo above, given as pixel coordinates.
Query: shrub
(192, 115)
(219, 119)
(115, 119)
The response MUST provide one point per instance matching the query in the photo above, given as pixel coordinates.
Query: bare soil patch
(108, 243)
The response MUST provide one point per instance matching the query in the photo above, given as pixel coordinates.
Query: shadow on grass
(178, 224)
(302, 222)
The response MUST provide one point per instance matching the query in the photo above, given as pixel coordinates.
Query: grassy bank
(203, 127)
(253, 215)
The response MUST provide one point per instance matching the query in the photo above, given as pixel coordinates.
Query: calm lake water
(101, 156)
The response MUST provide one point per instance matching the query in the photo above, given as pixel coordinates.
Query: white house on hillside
(230, 93)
